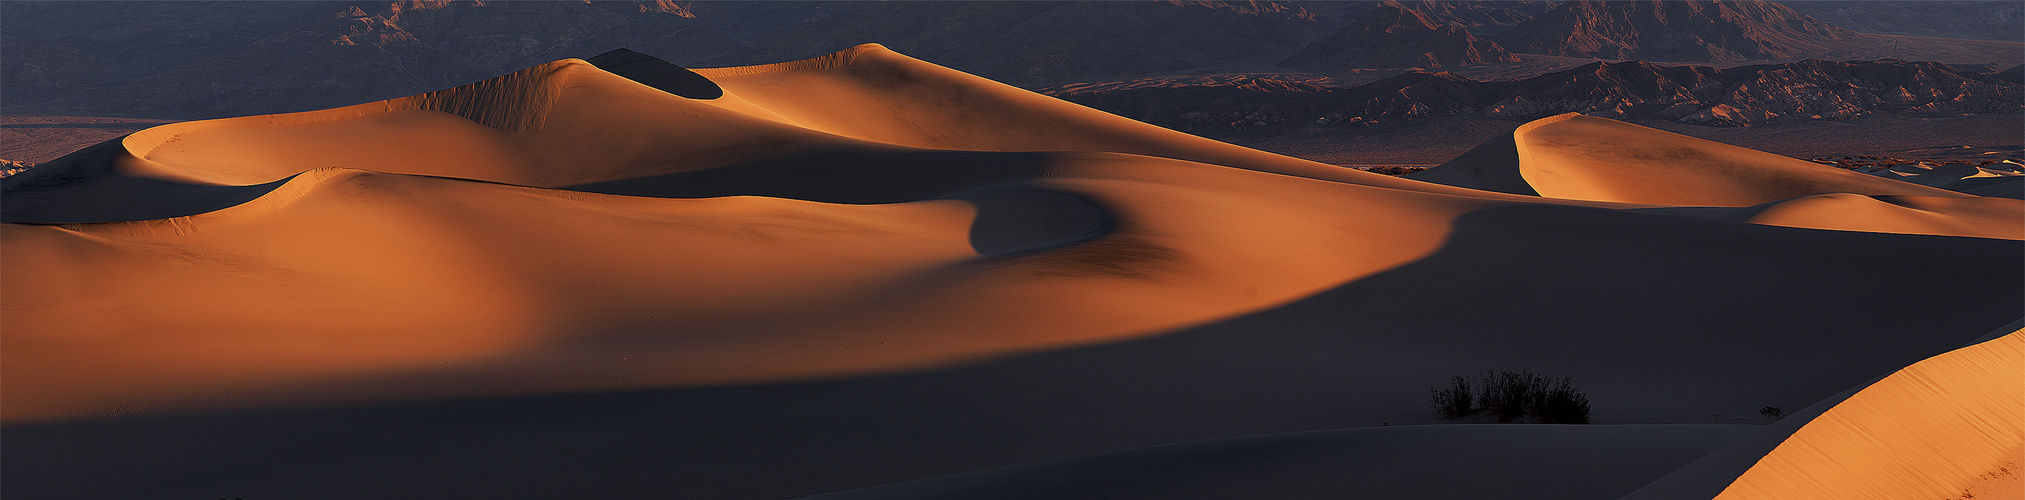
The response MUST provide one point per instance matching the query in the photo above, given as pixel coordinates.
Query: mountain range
(209, 59)
(1394, 36)
(1676, 30)
(1633, 90)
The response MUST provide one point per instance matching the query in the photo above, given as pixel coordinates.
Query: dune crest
(872, 93)
(1980, 217)
(1575, 157)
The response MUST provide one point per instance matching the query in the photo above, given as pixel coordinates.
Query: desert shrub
(1562, 404)
(1772, 413)
(1508, 394)
(1512, 395)
(1457, 401)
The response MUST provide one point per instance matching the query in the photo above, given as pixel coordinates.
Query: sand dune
(1571, 156)
(1961, 177)
(976, 275)
(1949, 426)
(1577, 157)
(1159, 252)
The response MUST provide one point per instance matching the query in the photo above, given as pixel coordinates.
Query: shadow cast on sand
(1540, 293)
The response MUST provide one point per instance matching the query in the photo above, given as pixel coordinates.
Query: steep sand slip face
(575, 291)
(870, 92)
(1952, 426)
(1578, 157)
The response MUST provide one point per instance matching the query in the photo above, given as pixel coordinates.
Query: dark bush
(1563, 405)
(1508, 394)
(1512, 395)
(1772, 413)
(1457, 401)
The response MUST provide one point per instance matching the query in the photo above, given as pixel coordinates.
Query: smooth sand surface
(1571, 156)
(1710, 475)
(1422, 461)
(1951, 426)
(864, 269)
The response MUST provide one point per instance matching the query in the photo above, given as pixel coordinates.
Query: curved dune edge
(557, 124)
(869, 93)
(1951, 426)
(872, 93)
(514, 102)
(728, 286)
(1575, 157)
(1977, 217)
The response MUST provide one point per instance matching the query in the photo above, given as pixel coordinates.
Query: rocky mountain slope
(166, 57)
(1025, 43)
(1635, 90)
(213, 59)
(1480, 17)
(1397, 36)
(1683, 30)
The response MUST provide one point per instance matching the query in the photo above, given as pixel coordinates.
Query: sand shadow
(1658, 318)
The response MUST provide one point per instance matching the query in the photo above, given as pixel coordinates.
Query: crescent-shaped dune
(860, 269)
(1571, 156)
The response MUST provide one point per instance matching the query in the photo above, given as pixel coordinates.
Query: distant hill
(204, 59)
(1396, 36)
(215, 59)
(1484, 16)
(1027, 43)
(1675, 30)
(1987, 20)
(1634, 90)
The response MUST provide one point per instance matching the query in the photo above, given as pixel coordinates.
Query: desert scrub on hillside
(1512, 396)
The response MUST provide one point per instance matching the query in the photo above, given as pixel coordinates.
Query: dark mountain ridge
(1396, 36)
(1673, 30)
(1632, 90)
(211, 59)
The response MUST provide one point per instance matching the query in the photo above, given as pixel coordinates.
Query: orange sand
(1952, 426)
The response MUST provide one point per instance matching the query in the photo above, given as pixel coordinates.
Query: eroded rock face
(1673, 30)
(1395, 36)
(1739, 96)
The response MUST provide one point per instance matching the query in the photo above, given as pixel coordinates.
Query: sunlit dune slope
(1103, 246)
(556, 124)
(1577, 157)
(1945, 215)
(1951, 426)
(870, 92)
